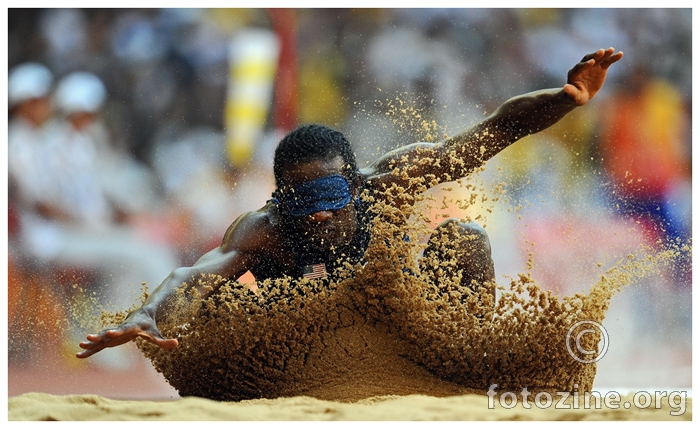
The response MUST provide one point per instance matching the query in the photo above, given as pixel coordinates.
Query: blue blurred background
(136, 136)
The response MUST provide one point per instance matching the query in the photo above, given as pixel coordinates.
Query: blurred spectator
(67, 38)
(103, 183)
(190, 163)
(74, 196)
(204, 194)
(30, 129)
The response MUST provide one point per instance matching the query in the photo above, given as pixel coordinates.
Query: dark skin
(259, 235)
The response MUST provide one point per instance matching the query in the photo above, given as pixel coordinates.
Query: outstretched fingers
(602, 57)
(116, 337)
(610, 58)
(106, 338)
(594, 55)
(586, 78)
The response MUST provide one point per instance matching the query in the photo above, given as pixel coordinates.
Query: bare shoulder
(252, 239)
(256, 231)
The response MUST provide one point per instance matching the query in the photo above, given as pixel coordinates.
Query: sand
(390, 327)
(42, 406)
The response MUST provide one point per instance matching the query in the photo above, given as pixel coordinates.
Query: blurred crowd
(125, 148)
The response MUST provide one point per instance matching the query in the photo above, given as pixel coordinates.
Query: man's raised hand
(587, 77)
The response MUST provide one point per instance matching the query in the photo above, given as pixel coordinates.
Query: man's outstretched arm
(230, 260)
(531, 113)
(518, 117)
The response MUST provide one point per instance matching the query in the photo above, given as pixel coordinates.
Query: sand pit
(42, 406)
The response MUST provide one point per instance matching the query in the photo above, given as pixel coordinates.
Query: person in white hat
(101, 189)
(30, 129)
(79, 149)
(121, 186)
(28, 81)
(80, 95)
(72, 218)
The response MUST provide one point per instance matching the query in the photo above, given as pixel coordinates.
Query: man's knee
(467, 244)
(469, 232)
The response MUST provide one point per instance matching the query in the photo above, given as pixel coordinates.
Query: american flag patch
(315, 271)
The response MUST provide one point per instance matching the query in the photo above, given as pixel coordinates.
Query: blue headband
(326, 193)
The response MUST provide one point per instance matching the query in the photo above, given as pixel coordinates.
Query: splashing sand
(385, 328)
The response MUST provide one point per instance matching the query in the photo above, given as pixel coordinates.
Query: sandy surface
(43, 406)
(73, 390)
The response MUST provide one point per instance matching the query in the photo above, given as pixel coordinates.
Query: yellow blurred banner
(253, 57)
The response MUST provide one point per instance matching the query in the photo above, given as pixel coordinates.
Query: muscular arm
(518, 117)
(230, 260)
(244, 242)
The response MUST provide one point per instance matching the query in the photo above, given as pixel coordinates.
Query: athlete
(319, 211)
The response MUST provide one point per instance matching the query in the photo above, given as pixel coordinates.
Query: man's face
(323, 230)
(36, 110)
